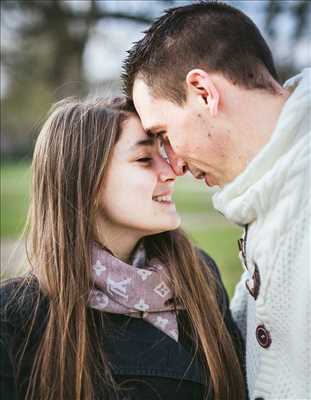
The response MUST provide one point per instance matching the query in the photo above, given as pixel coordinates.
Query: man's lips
(206, 179)
(209, 180)
(199, 174)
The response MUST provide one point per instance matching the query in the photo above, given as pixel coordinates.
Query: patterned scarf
(137, 290)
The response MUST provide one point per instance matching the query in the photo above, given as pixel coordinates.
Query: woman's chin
(171, 225)
(160, 224)
(178, 221)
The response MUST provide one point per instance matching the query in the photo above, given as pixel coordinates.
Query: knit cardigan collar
(242, 200)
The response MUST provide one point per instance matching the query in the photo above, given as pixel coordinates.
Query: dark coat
(157, 366)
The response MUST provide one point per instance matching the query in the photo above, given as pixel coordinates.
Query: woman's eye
(145, 159)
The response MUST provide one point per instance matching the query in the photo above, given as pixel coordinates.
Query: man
(203, 79)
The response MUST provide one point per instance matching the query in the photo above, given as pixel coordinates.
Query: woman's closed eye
(145, 160)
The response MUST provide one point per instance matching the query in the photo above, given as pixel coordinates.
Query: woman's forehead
(133, 135)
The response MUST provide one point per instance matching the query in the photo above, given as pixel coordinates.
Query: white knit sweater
(273, 196)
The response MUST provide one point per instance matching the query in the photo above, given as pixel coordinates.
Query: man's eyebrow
(154, 130)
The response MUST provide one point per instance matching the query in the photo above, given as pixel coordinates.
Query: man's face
(191, 135)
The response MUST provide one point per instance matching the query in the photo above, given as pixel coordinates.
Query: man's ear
(201, 83)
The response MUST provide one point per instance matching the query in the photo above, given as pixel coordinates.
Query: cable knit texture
(273, 196)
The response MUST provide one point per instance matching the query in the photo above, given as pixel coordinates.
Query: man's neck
(263, 112)
(254, 115)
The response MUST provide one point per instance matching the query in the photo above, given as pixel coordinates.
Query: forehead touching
(133, 136)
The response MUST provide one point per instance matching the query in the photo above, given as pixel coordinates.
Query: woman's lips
(166, 203)
(164, 200)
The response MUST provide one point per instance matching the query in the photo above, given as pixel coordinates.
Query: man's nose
(165, 171)
(177, 163)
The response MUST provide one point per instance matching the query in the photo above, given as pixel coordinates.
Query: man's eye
(162, 140)
(163, 151)
(164, 137)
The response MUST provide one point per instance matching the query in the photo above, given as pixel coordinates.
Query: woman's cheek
(135, 185)
(142, 194)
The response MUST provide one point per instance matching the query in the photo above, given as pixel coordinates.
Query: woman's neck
(120, 242)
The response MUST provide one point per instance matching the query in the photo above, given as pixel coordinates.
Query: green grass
(15, 182)
(220, 244)
(192, 202)
(191, 196)
(208, 229)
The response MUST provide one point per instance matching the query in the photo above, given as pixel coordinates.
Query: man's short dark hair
(209, 35)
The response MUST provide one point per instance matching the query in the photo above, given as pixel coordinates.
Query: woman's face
(136, 196)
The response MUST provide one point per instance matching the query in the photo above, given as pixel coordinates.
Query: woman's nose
(177, 163)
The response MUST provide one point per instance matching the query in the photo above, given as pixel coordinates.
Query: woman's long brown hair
(69, 163)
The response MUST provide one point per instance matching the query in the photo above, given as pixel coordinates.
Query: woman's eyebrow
(144, 142)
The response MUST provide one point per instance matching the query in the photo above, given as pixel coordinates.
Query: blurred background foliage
(56, 48)
(45, 44)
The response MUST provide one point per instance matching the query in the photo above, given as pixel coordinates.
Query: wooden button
(253, 284)
(263, 336)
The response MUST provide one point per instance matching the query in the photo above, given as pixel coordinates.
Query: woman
(118, 305)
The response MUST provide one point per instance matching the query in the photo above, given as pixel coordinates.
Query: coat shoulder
(20, 297)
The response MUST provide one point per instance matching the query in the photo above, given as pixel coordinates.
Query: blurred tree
(60, 30)
(43, 56)
(299, 11)
(45, 40)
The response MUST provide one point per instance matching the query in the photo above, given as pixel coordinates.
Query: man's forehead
(141, 91)
(145, 99)
(151, 109)
(150, 123)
